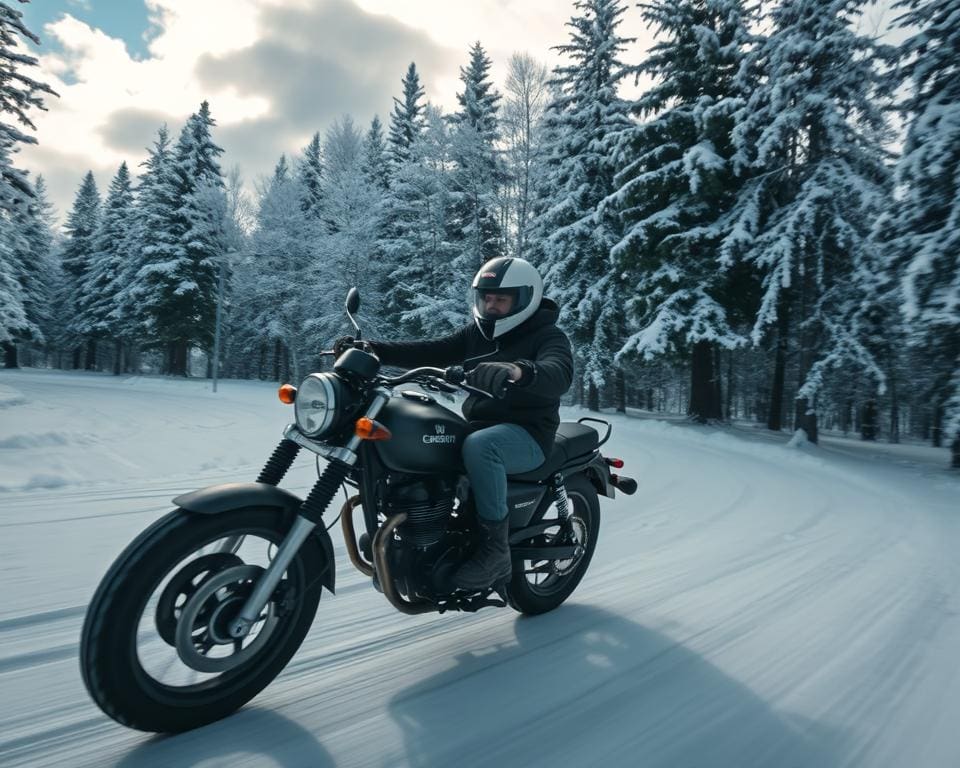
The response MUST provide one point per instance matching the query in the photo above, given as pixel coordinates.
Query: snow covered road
(751, 605)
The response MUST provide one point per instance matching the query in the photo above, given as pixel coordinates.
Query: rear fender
(598, 473)
(220, 499)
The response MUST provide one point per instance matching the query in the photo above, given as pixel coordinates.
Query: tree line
(768, 232)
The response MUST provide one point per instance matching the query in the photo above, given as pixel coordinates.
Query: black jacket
(538, 346)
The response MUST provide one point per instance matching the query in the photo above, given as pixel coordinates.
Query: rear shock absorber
(560, 497)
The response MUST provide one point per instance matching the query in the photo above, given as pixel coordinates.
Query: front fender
(219, 499)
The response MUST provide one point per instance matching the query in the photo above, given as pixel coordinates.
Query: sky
(274, 71)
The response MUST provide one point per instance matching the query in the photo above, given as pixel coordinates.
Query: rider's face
(497, 304)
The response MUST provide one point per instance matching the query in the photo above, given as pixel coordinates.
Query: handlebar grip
(455, 374)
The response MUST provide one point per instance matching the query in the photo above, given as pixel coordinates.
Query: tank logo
(440, 437)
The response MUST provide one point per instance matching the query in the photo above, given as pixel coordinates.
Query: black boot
(491, 560)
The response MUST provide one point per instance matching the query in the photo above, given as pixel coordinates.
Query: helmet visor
(494, 303)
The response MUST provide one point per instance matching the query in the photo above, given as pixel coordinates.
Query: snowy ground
(751, 605)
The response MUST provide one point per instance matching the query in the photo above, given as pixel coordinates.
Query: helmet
(514, 277)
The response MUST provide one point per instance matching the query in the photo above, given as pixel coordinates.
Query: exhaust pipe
(380, 541)
(350, 536)
(626, 484)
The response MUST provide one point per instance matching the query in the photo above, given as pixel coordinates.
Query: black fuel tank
(426, 436)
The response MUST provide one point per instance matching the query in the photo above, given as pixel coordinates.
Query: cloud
(274, 72)
(314, 63)
(131, 129)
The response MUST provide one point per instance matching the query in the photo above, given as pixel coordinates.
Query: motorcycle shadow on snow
(582, 686)
(251, 737)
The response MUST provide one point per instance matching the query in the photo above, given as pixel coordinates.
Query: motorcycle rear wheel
(527, 592)
(123, 679)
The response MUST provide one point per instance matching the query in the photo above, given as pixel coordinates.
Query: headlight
(316, 404)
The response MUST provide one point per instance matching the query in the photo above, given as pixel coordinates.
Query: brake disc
(205, 620)
(183, 586)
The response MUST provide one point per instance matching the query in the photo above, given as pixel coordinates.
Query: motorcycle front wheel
(156, 654)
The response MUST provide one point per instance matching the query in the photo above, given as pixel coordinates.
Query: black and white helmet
(514, 277)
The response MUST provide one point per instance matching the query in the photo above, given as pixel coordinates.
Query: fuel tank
(426, 438)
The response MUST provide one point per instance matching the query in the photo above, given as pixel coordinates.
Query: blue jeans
(490, 455)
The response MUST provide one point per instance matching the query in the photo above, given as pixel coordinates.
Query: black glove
(344, 343)
(490, 377)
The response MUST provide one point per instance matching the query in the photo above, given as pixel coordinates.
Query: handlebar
(453, 375)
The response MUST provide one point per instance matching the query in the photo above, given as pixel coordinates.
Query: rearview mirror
(353, 301)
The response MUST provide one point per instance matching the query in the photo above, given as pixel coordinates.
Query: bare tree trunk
(716, 403)
(730, 398)
(936, 429)
(117, 357)
(868, 422)
(621, 390)
(702, 386)
(593, 396)
(10, 355)
(90, 363)
(775, 415)
(894, 408)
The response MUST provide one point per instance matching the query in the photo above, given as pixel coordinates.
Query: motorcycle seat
(572, 440)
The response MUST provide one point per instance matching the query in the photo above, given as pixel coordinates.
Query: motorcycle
(206, 606)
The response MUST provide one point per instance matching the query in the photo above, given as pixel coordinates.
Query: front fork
(310, 515)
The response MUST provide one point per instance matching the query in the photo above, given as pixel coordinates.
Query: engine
(431, 543)
(427, 502)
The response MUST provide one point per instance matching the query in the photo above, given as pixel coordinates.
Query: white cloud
(111, 104)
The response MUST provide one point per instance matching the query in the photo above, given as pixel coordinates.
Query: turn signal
(618, 463)
(368, 429)
(287, 394)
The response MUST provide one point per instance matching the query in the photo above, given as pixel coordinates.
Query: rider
(512, 348)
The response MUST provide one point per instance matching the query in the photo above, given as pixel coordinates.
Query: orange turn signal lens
(368, 429)
(287, 394)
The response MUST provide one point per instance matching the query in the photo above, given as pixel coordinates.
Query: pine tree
(418, 255)
(811, 136)
(183, 289)
(572, 235)
(310, 178)
(154, 245)
(349, 251)
(677, 184)
(924, 251)
(407, 120)
(33, 226)
(477, 172)
(375, 163)
(76, 258)
(19, 94)
(273, 290)
(100, 315)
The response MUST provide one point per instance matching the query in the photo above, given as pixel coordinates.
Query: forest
(770, 232)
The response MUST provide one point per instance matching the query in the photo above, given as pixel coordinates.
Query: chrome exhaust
(380, 542)
(350, 536)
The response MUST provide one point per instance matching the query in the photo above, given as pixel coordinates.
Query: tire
(533, 599)
(110, 659)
